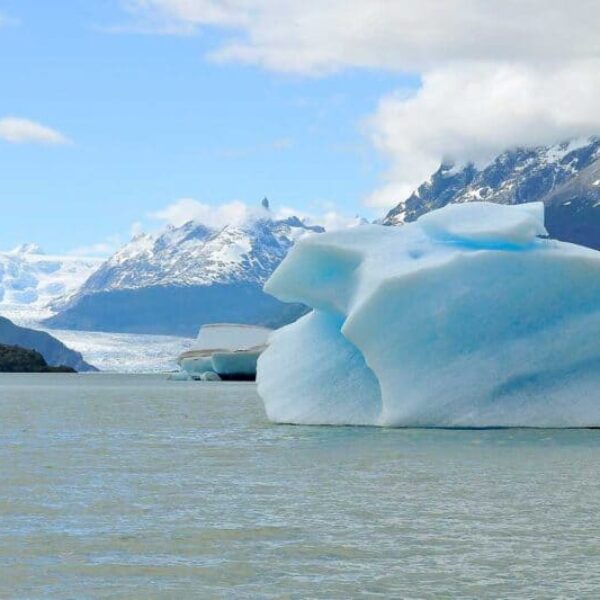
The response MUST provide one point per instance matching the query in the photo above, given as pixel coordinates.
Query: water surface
(116, 486)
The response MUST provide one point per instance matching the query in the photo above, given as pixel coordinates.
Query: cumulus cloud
(188, 209)
(329, 218)
(495, 73)
(316, 36)
(333, 220)
(24, 131)
(235, 213)
(472, 112)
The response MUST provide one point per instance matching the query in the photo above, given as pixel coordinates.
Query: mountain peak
(565, 177)
(27, 248)
(184, 276)
(196, 255)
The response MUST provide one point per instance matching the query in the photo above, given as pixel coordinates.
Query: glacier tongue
(462, 319)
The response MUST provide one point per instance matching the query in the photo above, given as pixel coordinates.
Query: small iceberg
(225, 351)
(465, 318)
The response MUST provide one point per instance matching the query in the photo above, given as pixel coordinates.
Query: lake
(124, 486)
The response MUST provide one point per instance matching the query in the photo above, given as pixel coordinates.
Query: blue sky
(128, 106)
(151, 120)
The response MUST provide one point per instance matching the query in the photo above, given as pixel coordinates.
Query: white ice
(231, 336)
(33, 284)
(465, 318)
(125, 352)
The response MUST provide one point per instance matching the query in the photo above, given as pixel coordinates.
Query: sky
(121, 115)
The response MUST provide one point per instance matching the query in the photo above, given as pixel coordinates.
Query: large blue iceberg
(465, 318)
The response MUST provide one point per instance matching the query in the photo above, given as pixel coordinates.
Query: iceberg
(468, 317)
(225, 351)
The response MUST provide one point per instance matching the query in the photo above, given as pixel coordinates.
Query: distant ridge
(565, 177)
(187, 276)
(14, 359)
(55, 353)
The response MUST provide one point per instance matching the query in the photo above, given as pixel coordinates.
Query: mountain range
(181, 278)
(565, 177)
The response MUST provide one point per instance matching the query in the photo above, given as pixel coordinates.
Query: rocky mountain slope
(177, 280)
(54, 352)
(566, 177)
(14, 359)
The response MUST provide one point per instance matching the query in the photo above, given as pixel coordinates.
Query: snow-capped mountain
(30, 281)
(566, 177)
(174, 281)
(194, 254)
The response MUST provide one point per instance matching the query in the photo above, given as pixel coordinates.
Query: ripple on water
(130, 486)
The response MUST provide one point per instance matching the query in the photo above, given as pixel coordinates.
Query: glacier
(468, 317)
(125, 352)
(33, 285)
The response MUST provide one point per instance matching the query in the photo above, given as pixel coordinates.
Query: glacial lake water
(135, 487)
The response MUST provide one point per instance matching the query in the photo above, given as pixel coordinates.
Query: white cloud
(188, 209)
(333, 220)
(237, 212)
(315, 36)
(330, 219)
(22, 131)
(472, 112)
(214, 216)
(391, 193)
(495, 73)
(136, 229)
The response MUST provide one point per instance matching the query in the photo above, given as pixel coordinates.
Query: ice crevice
(465, 318)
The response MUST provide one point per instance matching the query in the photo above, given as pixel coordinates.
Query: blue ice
(465, 318)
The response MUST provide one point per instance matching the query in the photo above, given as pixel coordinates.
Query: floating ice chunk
(500, 328)
(236, 363)
(209, 376)
(179, 376)
(485, 224)
(229, 349)
(195, 365)
(231, 336)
